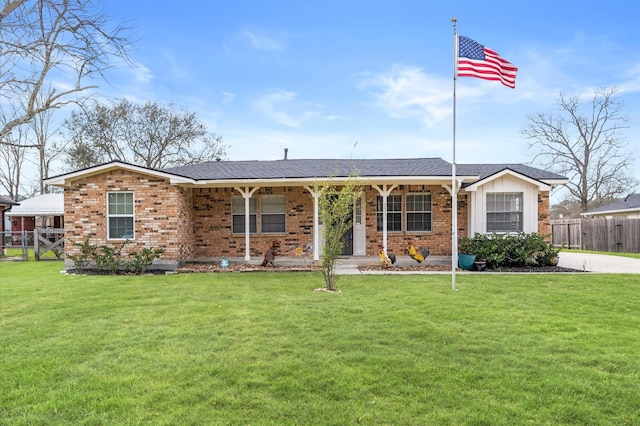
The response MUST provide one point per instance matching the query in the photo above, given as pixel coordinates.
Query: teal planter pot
(465, 261)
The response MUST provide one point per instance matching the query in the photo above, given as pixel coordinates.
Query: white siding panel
(478, 203)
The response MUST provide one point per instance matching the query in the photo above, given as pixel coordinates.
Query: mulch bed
(447, 268)
(212, 267)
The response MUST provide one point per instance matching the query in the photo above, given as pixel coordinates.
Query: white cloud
(263, 42)
(270, 106)
(407, 92)
(142, 74)
(277, 106)
(228, 97)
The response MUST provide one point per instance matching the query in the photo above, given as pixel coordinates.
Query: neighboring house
(236, 208)
(5, 204)
(628, 208)
(42, 211)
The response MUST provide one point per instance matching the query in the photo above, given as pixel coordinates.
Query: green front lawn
(264, 348)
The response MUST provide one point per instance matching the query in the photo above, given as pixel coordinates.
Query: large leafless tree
(151, 134)
(52, 54)
(584, 141)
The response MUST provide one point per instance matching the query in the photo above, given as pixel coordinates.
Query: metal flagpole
(454, 184)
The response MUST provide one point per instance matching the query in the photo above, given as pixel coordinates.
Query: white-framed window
(394, 213)
(418, 212)
(120, 215)
(504, 212)
(272, 214)
(237, 215)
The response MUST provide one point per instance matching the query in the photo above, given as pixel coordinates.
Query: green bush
(502, 250)
(143, 259)
(108, 258)
(81, 261)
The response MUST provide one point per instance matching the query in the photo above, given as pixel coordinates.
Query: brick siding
(197, 222)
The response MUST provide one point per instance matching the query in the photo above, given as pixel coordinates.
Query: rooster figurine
(418, 257)
(385, 260)
(271, 253)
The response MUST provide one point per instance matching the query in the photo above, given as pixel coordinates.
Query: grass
(263, 348)
(17, 252)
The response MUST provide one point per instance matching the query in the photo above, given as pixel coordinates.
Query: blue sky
(374, 79)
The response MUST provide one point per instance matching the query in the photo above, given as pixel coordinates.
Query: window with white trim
(272, 214)
(504, 212)
(394, 213)
(120, 217)
(418, 212)
(237, 215)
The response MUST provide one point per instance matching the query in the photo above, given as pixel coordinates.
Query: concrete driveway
(599, 263)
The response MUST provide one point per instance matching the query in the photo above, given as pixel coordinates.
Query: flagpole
(454, 184)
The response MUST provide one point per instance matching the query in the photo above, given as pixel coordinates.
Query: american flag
(476, 60)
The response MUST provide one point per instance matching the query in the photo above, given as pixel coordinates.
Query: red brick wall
(196, 223)
(438, 240)
(212, 223)
(544, 217)
(162, 217)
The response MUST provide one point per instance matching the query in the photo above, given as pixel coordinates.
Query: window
(237, 215)
(119, 215)
(272, 213)
(418, 212)
(504, 212)
(394, 213)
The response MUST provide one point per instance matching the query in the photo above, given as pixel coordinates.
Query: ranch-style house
(237, 208)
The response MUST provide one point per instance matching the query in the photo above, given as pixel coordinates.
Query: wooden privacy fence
(598, 234)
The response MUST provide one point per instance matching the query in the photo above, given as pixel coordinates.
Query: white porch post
(246, 194)
(384, 192)
(316, 222)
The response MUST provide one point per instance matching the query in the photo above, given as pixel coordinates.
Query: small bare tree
(151, 134)
(336, 212)
(583, 142)
(12, 159)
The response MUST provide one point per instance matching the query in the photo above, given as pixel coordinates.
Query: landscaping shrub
(143, 259)
(107, 258)
(503, 250)
(81, 261)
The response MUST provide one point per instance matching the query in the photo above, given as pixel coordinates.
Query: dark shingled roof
(486, 170)
(7, 201)
(278, 169)
(291, 169)
(632, 202)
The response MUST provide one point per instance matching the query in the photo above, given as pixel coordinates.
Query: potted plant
(466, 253)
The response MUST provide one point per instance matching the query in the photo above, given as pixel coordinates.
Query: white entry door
(359, 228)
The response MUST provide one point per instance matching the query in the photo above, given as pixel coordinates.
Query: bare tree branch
(583, 142)
(66, 41)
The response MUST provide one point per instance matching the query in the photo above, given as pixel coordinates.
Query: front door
(347, 238)
(359, 229)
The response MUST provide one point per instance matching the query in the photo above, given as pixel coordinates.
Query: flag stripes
(476, 60)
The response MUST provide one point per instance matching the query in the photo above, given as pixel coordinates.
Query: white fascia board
(64, 180)
(367, 180)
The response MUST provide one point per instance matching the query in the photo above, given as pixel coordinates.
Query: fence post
(25, 245)
(36, 244)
